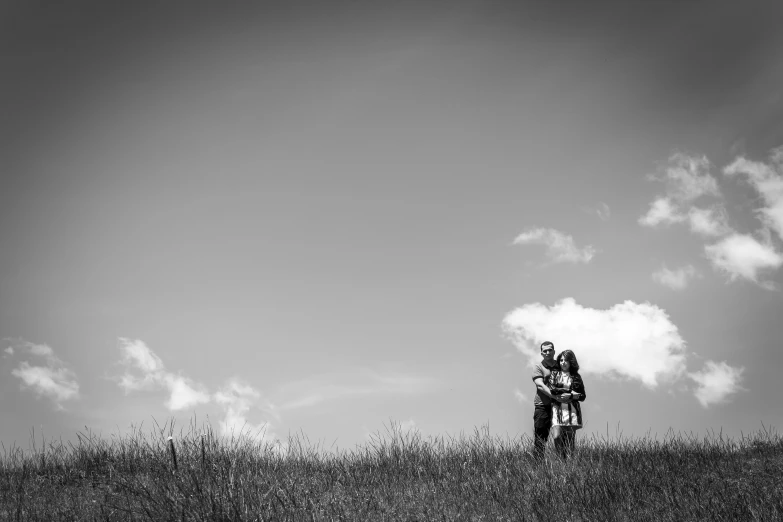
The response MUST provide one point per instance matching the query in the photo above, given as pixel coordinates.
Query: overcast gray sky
(322, 216)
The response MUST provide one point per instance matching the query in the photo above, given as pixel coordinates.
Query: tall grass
(395, 476)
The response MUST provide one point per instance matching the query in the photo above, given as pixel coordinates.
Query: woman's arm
(578, 387)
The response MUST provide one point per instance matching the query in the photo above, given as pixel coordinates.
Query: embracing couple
(559, 390)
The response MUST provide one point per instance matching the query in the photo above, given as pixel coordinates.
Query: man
(542, 404)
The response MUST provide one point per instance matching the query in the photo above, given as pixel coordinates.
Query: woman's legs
(565, 440)
(570, 440)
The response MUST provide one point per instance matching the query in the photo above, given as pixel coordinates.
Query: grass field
(395, 476)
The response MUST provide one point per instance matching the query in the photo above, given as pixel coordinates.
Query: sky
(327, 217)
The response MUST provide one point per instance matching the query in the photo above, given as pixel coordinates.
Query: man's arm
(539, 382)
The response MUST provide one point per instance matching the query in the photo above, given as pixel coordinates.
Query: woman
(566, 416)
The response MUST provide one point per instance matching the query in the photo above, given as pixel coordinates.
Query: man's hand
(566, 397)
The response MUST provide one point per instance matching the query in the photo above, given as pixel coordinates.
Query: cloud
(560, 247)
(52, 379)
(407, 426)
(716, 382)
(739, 255)
(603, 211)
(687, 178)
(676, 279)
(743, 256)
(183, 394)
(662, 212)
(767, 179)
(58, 384)
(237, 398)
(317, 390)
(631, 340)
(145, 371)
(521, 397)
(711, 222)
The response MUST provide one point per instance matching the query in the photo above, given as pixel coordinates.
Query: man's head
(548, 351)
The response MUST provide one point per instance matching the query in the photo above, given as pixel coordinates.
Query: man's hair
(571, 358)
(547, 343)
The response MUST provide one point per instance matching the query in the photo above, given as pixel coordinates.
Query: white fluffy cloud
(676, 279)
(742, 255)
(50, 378)
(632, 340)
(145, 371)
(767, 179)
(560, 247)
(716, 382)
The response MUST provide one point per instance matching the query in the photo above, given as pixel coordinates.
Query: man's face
(548, 353)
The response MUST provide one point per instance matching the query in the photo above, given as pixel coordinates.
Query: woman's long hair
(571, 358)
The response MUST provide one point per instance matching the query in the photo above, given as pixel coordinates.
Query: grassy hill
(396, 476)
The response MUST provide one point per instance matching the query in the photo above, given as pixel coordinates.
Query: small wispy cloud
(687, 179)
(767, 180)
(407, 426)
(361, 382)
(676, 279)
(48, 378)
(603, 211)
(521, 397)
(709, 222)
(237, 398)
(560, 247)
(144, 370)
(662, 212)
(716, 382)
(744, 256)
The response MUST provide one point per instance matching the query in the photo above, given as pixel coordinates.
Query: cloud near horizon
(560, 247)
(363, 382)
(635, 341)
(52, 379)
(145, 371)
(237, 398)
(716, 382)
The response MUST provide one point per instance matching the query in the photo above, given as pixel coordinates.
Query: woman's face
(565, 365)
